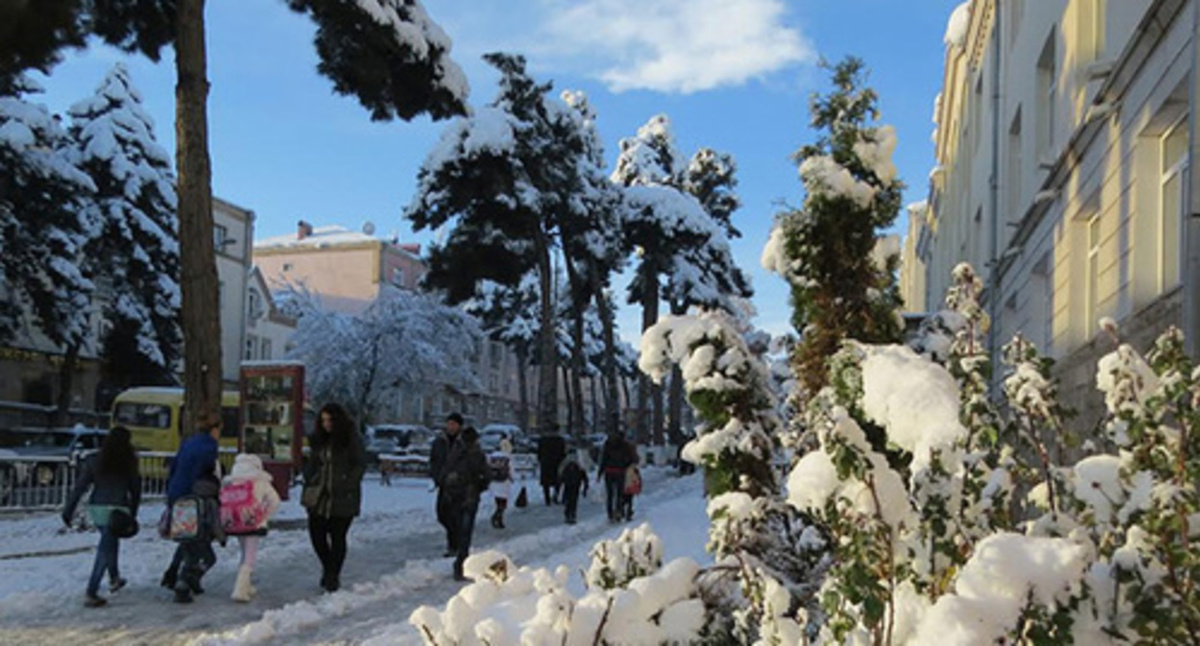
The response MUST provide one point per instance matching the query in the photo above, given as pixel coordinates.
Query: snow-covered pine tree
(705, 276)
(824, 249)
(505, 177)
(388, 53)
(42, 231)
(648, 159)
(593, 249)
(135, 253)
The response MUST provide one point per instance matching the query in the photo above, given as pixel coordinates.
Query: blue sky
(733, 75)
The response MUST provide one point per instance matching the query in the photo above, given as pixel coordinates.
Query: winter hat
(454, 417)
(505, 445)
(247, 465)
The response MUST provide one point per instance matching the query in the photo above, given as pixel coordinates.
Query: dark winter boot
(168, 579)
(183, 593)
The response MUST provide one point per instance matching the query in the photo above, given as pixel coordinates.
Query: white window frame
(1092, 276)
(1169, 224)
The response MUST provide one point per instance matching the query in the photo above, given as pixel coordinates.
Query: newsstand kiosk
(273, 418)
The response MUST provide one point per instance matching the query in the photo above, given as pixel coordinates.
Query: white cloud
(679, 46)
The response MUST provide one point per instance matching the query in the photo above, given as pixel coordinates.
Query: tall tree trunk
(675, 394)
(579, 301)
(594, 386)
(650, 413)
(522, 352)
(570, 394)
(66, 378)
(201, 311)
(612, 399)
(547, 415)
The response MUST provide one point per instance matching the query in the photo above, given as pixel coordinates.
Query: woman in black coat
(333, 489)
(116, 486)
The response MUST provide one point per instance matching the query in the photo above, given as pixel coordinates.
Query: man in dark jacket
(552, 450)
(438, 453)
(464, 477)
(195, 461)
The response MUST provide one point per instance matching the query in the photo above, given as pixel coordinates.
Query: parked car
(400, 438)
(26, 447)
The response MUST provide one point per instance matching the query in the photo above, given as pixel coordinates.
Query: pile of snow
(956, 27)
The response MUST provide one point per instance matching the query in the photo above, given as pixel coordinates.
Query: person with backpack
(573, 478)
(333, 490)
(615, 459)
(464, 477)
(500, 466)
(112, 475)
(193, 486)
(248, 501)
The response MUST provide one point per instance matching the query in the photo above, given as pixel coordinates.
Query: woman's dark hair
(117, 456)
(342, 427)
(470, 435)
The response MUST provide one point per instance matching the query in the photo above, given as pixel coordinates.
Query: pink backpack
(240, 512)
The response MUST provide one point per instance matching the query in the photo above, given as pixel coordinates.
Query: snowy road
(394, 565)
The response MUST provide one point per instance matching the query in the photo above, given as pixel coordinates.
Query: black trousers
(328, 536)
(571, 499)
(465, 512)
(196, 558)
(447, 518)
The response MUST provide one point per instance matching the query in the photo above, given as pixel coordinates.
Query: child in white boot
(248, 501)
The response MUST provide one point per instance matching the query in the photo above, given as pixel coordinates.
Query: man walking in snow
(437, 465)
(465, 476)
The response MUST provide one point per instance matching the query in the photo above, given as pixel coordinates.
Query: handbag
(122, 523)
(310, 496)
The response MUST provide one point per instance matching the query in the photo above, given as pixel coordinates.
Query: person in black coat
(573, 478)
(464, 477)
(113, 477)
(438, 453)
(332, 491)
(552, 450)
(615, 459)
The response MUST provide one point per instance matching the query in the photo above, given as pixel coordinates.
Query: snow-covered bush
(631, 598)
(980, 533)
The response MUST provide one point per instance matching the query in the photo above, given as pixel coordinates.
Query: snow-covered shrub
(631, 598)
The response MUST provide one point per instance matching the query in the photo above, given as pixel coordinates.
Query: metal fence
(32, 483)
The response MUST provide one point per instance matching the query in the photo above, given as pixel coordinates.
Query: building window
(248, 355)
(254, 308)
(220, 237)
(287, 266)
(1091, 26)
(265, 349)
(1013, 169)
(497, 354)
(977, 114)
(397, 276)
(1173, 166)
(1047, 98)
(1092, 297)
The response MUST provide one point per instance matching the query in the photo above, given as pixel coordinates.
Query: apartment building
(1064, 174)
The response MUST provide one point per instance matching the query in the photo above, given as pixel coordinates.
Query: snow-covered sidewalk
(394, 565)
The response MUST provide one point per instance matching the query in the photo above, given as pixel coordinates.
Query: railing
(32, 483)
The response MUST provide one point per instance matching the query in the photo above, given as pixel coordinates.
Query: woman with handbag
(112, 475)
(333, 489)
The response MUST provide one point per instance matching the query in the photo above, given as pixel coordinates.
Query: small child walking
(500, 465)
(248, 501)
(573, 477)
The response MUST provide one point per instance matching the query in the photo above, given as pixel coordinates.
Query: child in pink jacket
(248, 501)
